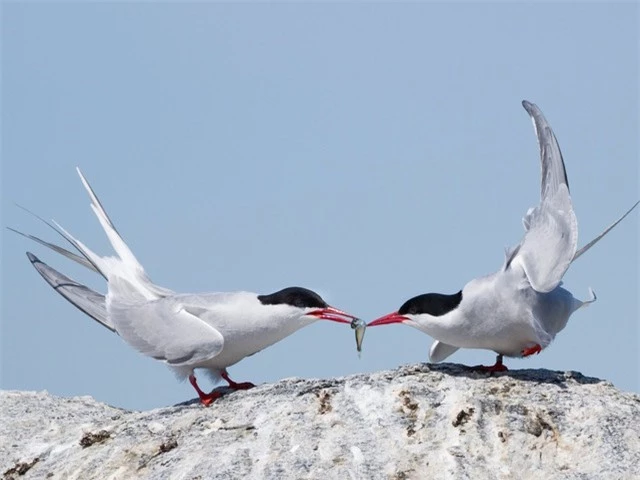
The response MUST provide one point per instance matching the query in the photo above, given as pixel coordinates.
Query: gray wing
(88, 301)
(167, 330)
(551, 237)
(554, 172)
(440, 350)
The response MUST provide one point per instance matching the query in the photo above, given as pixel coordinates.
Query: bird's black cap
(294, 296)
(434, 304)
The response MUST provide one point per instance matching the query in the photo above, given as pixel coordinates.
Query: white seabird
(211, 331)
(518, 310)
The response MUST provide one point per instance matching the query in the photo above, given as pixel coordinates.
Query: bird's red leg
(531, 350)
(205, 398)
(498, 367)
(234, 385)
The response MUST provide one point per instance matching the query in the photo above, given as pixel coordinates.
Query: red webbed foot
(206, 399)
(234, 385)
(497, 367)
(531, 350)
(241, 386)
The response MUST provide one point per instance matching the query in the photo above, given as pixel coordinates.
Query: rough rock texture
(422, 421)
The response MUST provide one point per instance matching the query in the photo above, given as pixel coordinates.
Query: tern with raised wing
(209, 331)
(518, 310)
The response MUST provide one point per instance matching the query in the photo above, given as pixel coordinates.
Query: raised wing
(86, 300)
(554, 172)
(551, 237)
(167, 330)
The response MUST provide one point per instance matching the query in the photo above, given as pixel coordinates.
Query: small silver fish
(359, 326)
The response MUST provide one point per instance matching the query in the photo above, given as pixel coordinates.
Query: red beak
(394, 317)
(333, 314)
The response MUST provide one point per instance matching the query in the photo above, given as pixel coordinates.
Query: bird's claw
(498, 367)
(236, 386)
(207, 399)
(241, 386)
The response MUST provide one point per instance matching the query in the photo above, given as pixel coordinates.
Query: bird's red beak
(394, 317)
(333, 314)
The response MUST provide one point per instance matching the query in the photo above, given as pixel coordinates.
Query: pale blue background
(369, 151)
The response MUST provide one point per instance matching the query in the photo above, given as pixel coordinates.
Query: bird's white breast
(247, 325)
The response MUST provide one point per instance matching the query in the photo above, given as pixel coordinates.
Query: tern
(210, 331)
(518, 310)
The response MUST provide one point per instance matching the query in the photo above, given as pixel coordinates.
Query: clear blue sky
(369, 151)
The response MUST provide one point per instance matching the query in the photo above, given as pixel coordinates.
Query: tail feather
(126, 267)
(56, 248)
(96, 260)
(82, 297)
(64, 235)
(585, 303)
(599, 237)
(121, 248)
(125, 276)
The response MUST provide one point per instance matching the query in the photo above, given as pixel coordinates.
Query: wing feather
(440, 350)
(551, 237)
(554, 172)
(167, 331)
(86, 300)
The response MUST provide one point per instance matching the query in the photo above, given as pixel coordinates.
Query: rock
(424, 421)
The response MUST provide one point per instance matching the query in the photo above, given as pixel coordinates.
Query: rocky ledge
(423, 421)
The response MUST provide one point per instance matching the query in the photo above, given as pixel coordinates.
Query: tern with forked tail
(209, 331)
(518, 310)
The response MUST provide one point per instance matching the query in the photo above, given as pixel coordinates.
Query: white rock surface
(423, 422)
